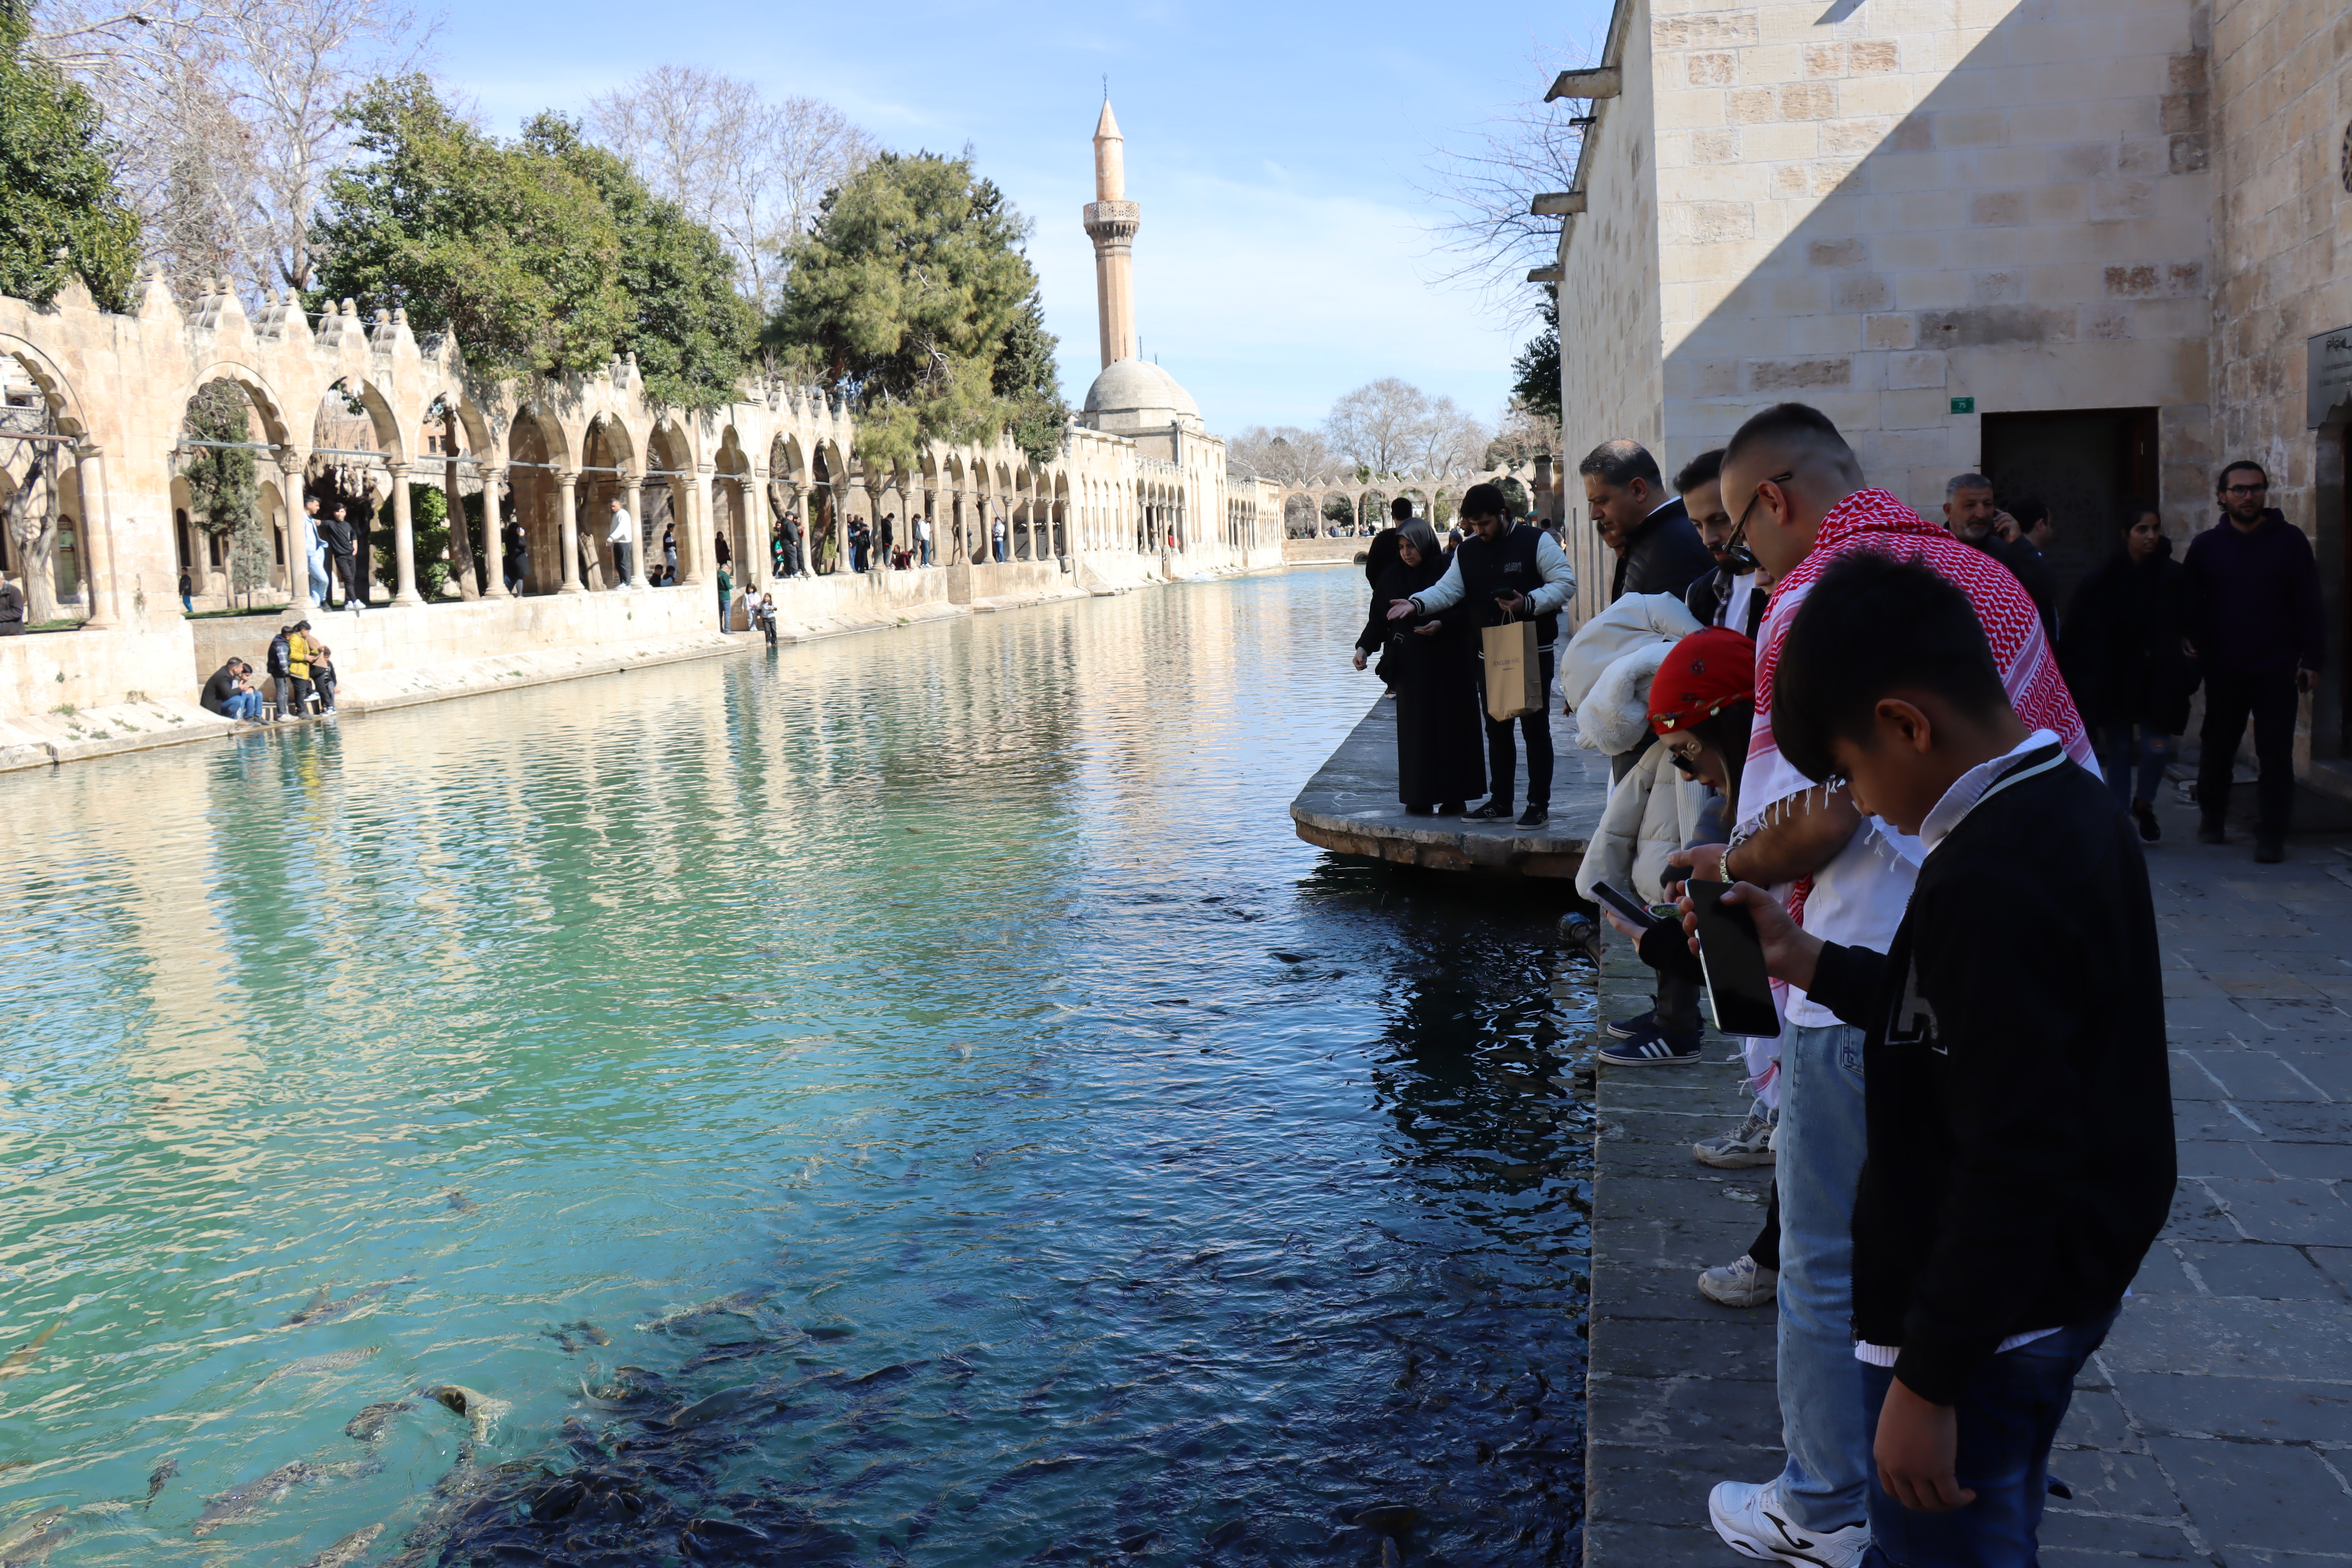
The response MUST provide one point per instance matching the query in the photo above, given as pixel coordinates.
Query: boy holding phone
(2020, 1155)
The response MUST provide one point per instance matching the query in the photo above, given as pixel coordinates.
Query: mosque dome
(1135, 394)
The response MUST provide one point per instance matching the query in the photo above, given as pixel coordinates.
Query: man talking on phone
(1525, 574)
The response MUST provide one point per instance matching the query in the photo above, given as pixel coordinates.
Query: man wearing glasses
(1796, 493)
(2256, 624)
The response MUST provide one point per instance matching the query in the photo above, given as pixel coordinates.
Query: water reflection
(909, 1098)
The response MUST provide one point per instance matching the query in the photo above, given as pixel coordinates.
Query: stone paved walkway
(2215, 1425)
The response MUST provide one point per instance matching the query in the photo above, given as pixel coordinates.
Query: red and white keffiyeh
(1874, 520)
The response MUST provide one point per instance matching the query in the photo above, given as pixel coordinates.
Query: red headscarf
(1705, 673)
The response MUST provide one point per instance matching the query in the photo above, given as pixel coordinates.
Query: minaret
(1111, 223)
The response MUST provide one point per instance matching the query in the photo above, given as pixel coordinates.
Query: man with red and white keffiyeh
(1795, 491)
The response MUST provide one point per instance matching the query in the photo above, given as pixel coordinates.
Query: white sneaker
(1747, 1145)
(1750, 1519)
(1741, 1283)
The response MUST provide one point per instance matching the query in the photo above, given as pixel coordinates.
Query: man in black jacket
(1973, 517)
(2019, 1153)
(335, 532)
(1663, 552)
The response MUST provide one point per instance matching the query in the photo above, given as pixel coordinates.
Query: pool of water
(905, 1099)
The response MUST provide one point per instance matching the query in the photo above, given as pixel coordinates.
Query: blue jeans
(1817, 1165)
(2133, 757)
(244, 705)
(2008, 1416)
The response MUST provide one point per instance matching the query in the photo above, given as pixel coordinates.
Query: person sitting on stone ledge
(230, 695)
(322, 676)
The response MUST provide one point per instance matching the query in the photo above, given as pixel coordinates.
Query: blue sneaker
(1652, 1047)
(1631, 1028)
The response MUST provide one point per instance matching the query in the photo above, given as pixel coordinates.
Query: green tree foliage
(56, 190)
(545, 256)
(224, 485)
(1339, 510)
(689, 328)
(911, 295)
(1535, 374)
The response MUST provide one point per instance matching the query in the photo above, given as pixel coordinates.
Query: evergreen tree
(56, 190)
(1535, 374)
(505, 246)
(691, 332)
(223, 487)
(912, 295)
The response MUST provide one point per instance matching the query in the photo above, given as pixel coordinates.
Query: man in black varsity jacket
(2020, 1156)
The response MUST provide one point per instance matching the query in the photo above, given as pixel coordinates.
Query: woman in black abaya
(1433, 664)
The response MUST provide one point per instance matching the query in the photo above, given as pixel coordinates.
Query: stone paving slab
(2214, 1426)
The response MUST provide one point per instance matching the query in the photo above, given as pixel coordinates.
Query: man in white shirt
(923, 538)
(996, 537)
(621, 538)
(1522, 574)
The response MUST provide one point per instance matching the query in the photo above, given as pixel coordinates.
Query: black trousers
(1502, 756)
(2229, 700)
(346, 567)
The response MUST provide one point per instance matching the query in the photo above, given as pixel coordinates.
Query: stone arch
(467, 448)
(64, 404)
(608, 456)
(729, 518)
(666, 525)
(43, 540)
(536, 452)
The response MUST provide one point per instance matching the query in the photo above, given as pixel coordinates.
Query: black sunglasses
(1736, 553)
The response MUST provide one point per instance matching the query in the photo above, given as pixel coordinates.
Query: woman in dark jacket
(1433, 663)
(2120, 648)
(1379, 559)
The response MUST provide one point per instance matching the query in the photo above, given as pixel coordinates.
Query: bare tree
(1481, 185)
(1525, 436)
(1285, 454)
(222, 115)
(1450, 441)
(1381, 425)
(751, 171)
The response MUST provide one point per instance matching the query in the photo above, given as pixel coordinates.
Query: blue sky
(1275, 150)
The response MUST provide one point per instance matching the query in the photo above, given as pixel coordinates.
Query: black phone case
(1731, 956)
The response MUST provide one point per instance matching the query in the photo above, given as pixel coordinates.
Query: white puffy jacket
(1654, 810)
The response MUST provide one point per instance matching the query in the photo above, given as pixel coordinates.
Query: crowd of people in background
(1929, 777)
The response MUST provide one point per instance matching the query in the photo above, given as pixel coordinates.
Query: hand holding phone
(1738, 988)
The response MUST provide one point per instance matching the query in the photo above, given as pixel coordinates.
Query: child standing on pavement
(2020, 1147)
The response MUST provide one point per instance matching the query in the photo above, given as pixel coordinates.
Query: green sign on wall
(1964, 405)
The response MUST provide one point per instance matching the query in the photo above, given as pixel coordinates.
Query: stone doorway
(2083, 463)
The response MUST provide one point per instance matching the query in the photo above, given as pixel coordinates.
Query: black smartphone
(1738, 990)
(1624, 905)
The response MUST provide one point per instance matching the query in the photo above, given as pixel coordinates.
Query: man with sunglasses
(2256, 623)
(1796, 491)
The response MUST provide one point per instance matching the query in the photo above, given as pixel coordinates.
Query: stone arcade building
(2091, 250)
(89, 454)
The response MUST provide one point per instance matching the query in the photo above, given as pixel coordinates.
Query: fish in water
(311, 1365)
(26, 1529)
(569, 1336)
(726, 1401)
(461, 1203)
(370, 1423)
(158, 1476)
(238, 1502)
(37, 1549)
(21, 1358)
(347, 1551)
(479, 1409)
(739, 1304)
(319, 1309)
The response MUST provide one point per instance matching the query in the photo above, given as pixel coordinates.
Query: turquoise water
(934, 1043)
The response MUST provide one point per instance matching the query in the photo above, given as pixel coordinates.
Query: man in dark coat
(2256, 621)
(1972, 518)
(1662, 552)
(335, 532)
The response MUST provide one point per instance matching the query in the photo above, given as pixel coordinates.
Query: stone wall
(2281, 80)
(1611, 363)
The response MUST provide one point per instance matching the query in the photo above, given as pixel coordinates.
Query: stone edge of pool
(1679, 1392)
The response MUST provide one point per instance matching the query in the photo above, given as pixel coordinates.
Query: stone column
(637, 504)
(840, 488)
(292, 466)
(404, 539)
(802, 496)
(494, 534)
(96, 537)
(566, 480)
(694, 540)
(751, 496)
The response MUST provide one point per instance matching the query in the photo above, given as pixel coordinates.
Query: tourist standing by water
(996, 539)
(1797, 493)
(2257, 624)
(621, 538)
(669, 550)
(342, 553)
(1661, 552)
(314, 552)
(517, 552)
(726, 599)
(1433, 665)
(1507, 574)
(2122, 646)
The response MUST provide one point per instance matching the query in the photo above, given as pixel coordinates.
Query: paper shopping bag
(1514, 671)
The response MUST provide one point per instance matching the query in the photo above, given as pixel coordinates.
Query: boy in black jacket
(2019, 1110)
